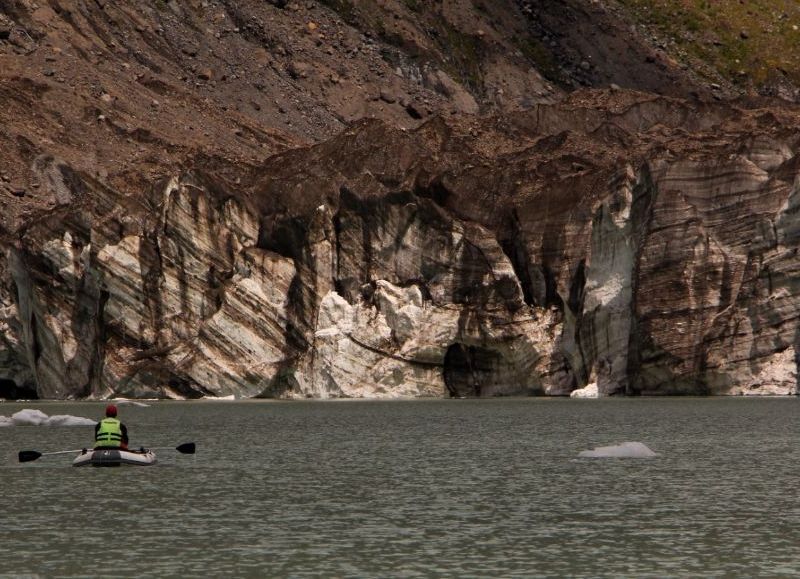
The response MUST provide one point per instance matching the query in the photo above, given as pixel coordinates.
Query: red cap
(111, 410)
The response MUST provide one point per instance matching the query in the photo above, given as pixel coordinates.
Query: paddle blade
(28, 455)
(186, 448)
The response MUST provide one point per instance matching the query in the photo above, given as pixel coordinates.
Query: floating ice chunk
(218, 398)
(126, 402)
(67, 420)
(28, 417)
(624, 450)
(589, 391)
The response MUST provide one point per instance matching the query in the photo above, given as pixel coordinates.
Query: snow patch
(624, 450)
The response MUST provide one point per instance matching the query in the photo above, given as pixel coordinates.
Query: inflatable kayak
(114, 457)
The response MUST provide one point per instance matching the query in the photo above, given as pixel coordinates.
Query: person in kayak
(110, 432)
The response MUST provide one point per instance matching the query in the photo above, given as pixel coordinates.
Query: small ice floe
(28, 417)
(126, 402)
(589, 391)
(624, 450)
(218, 398)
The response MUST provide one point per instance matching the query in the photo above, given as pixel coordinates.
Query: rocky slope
(382, 199)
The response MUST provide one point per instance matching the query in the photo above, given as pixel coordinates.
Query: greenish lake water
(423, 488)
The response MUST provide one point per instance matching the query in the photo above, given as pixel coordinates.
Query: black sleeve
(96, 429)
(124, 433)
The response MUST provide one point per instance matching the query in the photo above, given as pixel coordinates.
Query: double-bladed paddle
(185, 448)
(29, 455)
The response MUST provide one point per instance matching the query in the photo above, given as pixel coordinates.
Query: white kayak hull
(114, 457)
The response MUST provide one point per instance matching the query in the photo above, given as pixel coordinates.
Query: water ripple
(416, 489)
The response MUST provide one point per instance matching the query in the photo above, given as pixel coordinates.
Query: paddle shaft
(61, 452)
(185, 448)
(29, 455)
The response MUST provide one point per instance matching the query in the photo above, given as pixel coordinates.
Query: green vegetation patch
(746, 41)
(540, 57)
(344, 8)
(464, 54)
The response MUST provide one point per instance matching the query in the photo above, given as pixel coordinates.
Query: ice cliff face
(647, 246)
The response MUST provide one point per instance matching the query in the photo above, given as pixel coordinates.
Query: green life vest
(109, 433)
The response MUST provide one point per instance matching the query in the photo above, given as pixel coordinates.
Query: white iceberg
(67, 420)
(624, 450)
(28, 417)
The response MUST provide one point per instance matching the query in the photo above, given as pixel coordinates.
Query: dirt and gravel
(127, 93)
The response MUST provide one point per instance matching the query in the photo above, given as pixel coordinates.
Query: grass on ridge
(747, 41)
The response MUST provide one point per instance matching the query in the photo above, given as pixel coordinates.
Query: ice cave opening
(10, 390)
(471, 371)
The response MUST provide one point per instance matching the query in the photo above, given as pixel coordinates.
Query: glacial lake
(418, 488)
